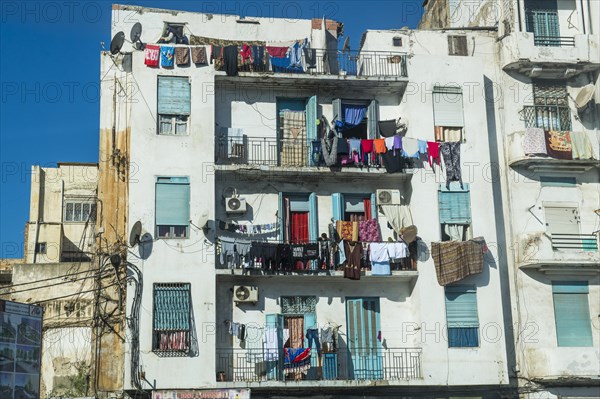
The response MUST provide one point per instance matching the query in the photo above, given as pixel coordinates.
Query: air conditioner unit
(388, 197)
(245, 294)
(235, 205)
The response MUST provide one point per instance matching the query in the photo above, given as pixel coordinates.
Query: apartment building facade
(236, 283)
(545, 74)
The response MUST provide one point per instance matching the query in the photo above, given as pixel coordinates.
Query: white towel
(389, 143)
(379, 252)
(398, 250)
(254, 344)
(271, 344)
(410, 147)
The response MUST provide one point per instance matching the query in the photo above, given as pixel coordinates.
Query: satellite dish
(346, 46)
(585, 96)
(135, 35)
(117, 43)
(136, 233)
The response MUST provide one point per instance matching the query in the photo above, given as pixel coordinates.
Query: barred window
(172, 318)
(298, 304)
(550, 109)
(79, 211)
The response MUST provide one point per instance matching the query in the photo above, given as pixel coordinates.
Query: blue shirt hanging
(167, 56)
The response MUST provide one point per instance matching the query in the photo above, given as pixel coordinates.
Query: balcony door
(296, 129)
(542, 19)
(365, 360)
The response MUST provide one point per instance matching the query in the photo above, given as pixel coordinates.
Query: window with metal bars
(550, 109)
(172, 318)
(79, 211)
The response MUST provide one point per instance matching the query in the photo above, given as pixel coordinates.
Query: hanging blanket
(455, 260)
(581, 146)
(558, 144)
(368, 231)
(347, 230)
(151, 55)
(296, 360)
(534, 142)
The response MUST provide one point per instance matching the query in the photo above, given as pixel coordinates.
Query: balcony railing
(390, 364)
(547, 117)
(342, 63)
(574, 242)
(554, 41)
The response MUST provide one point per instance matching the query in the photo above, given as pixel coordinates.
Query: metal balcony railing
(547, 117)
(554, 41)
(343, 63)
(574, 242)
(358, 364)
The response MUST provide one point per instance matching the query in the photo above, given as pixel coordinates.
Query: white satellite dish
(585, 96)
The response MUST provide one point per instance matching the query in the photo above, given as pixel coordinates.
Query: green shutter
(337, 204)
(311, 125)
(373, 119)
(572, 313)
(337, 109)
(172, 202)
(461, 306)
(174, 95)
(313, 218)
(454, 204)
(172, 307)
(373, 206)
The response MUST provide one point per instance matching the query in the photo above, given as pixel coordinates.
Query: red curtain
(367, 205)
(299, 227)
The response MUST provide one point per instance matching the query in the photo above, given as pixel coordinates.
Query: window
(455, 211)
(173, 33)
(79, 211)
(299, 216)
(174, 104)
(448, 113)
(562, 223)
(353, 207)
(397, 41)
(296, 127)
(172, 207)
(572, 313)
(457, 45)
(541, 18)
(171, 318)
(558, 181)
(550, 109)
(40, 248)
(357, 118)
(461, 316)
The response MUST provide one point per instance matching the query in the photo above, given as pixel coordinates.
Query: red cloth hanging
(367, 205)
(299, 227)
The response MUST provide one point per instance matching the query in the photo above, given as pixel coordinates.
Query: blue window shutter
(174, 94)
(281, 217)
(337, 202)
(454, 204)
(373, 119)
(172, 307)
(461, 306)
(572, 314)
(313, 219)
(337, 109)
(311, 124)
(172, 202)
(373, 206)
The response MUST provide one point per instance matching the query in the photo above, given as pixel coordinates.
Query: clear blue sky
(49, 72)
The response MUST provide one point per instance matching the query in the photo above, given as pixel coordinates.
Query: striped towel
(455, 260)
(581, 146)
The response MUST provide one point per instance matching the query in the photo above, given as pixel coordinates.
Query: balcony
(361, 366)
(289, 158)
(550, 57)
(559, 253)
(357, 69)
(542, 163)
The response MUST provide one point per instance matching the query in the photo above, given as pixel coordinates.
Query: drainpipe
(38, 213)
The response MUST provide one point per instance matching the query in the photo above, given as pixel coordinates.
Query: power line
(47, 279)
(69, 295)
(51, 285)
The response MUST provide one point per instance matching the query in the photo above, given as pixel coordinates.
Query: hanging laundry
(367, 151)
(182, 55)
(353, 254)
(151, 55)
(295, 55)
(316, 153)
(379, 145)
(534, 142)
(310, 58)
(422, 147)
(258, 58)
(433, 151)
(199, 55)
(410, 147)
(451, 154)
(330, 150)
(246, 53)
(380, 259)
(558, 144)
(581, 146)
(271, 344)
(277, 52)
(394, 163)
(230, 58)
(296, 360)
(368, 230)
(347, 230)
(167, 56)
(354, 145)
(254, 344)
(455, 260)
(342, 147)
(389, 143)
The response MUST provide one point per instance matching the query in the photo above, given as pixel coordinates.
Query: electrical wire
(49, 285)
(70, 295)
